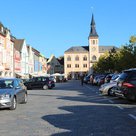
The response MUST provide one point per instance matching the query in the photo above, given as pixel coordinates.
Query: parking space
(70, 109)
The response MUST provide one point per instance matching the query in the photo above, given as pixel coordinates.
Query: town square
(68, 68)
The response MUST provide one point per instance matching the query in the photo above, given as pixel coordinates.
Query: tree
(114, 60)
(106, 62)
(132, 39)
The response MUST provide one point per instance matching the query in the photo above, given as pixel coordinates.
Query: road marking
(132, 116)
(89, 88)
(111, 101)
(121, 108)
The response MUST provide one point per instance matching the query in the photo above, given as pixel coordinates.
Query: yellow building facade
(78, 60)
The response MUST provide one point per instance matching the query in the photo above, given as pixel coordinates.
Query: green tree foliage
(132, 39)
(118, 60)
(125, 58)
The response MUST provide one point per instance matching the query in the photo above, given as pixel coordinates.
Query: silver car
(106, 88)
(12, 91)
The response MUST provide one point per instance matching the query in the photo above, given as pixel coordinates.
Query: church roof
(103, 49)
(93, 32)
(78, 49)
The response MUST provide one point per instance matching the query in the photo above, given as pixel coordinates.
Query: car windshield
(114, 77)
(123, 76)
(6, 84)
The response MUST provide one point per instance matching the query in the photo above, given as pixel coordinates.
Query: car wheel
(45, 87)
(13, 104)
(110, 92)
(25, 99)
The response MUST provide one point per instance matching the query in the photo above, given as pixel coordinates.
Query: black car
(40, 82)
(126, 85)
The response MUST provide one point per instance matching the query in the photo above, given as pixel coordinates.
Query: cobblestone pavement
(70, 110)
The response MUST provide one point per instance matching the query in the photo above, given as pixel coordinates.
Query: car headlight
(5, 96)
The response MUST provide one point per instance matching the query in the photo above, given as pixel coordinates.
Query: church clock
(93, 48)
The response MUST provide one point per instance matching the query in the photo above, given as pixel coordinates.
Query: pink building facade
(6, 52)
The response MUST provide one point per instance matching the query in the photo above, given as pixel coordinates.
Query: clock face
(93, 48)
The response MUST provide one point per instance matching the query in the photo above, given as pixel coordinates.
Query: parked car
(101, 80)
(115, 78)
(106, 88)
(108, 78)
(87, 79)
(40, 82)
(12, 92)
(52, 78)
(127, 84)
(96, 79)
(109, 88)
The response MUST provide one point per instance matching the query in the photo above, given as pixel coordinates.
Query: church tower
(93, 43)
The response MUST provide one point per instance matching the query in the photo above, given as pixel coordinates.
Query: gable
(24, 48)
(53, 60)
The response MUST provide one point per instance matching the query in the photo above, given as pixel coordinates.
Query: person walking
(82, 80)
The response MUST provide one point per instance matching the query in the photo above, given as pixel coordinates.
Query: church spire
(93, 32)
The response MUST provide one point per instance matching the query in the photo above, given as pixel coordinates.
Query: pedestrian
(82, 80)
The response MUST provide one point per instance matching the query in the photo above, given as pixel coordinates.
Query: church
(79, 60)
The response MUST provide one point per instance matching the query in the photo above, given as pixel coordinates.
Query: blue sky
(53, 26)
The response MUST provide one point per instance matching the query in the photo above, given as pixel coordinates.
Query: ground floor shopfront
(76, 75)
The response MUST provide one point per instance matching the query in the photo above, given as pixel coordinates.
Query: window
(76, 58)
(43, 79)
(68, 65)
(85, 58)
(68, 58)
(38, 79)
(16, 83)
(93, 42)
(85, 65)
(94, 58)
(76, 65)
(133, 75)
(96, 42)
